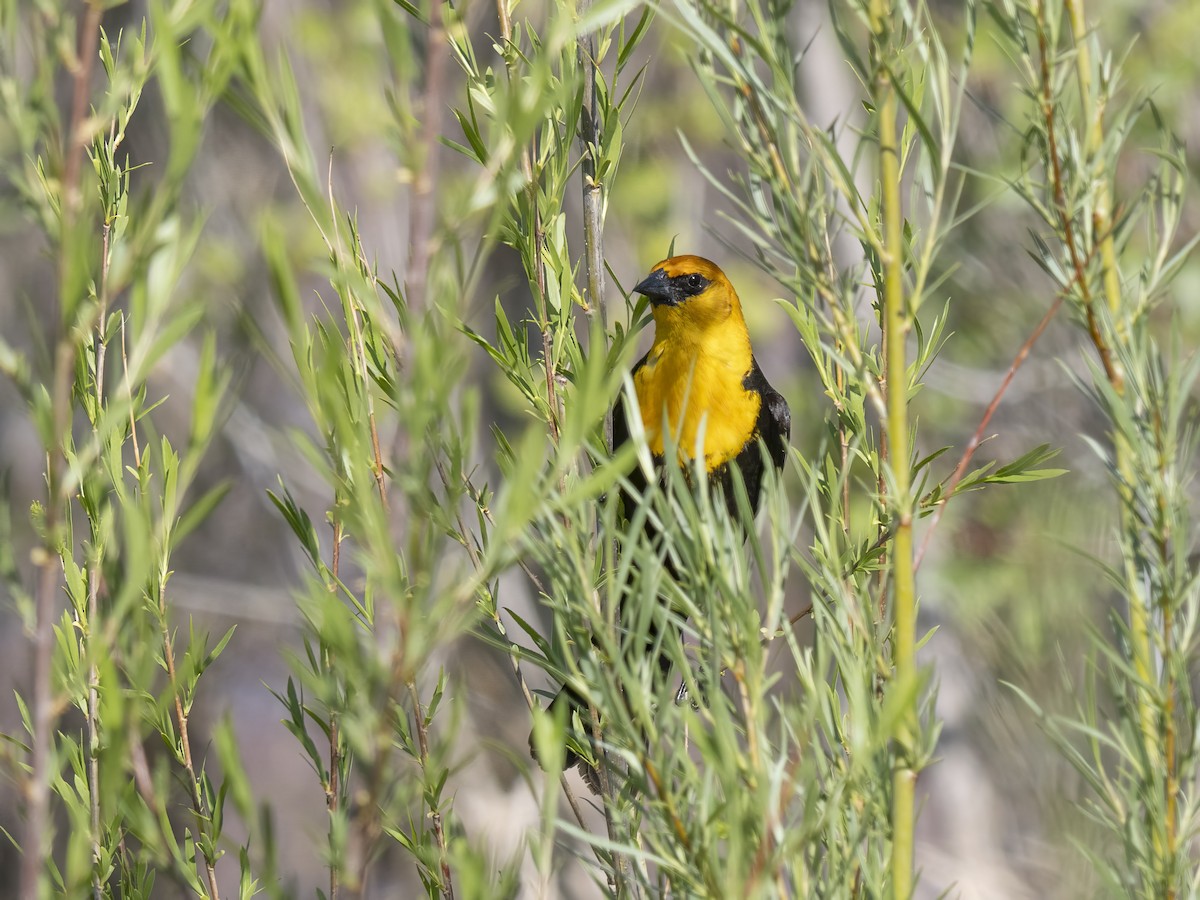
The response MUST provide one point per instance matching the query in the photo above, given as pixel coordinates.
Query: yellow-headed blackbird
(700, 377)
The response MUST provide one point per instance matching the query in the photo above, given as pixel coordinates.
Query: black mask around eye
(664, 290)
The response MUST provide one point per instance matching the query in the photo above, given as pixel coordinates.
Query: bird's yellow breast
(698, 390)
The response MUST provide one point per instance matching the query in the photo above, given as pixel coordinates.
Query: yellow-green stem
(895, 331)
(1139, 602)
(333, 788)
(1102, 210)
(94, 580)
(1139, 617)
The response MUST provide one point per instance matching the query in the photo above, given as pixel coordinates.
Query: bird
(700, 375)
(699, 390)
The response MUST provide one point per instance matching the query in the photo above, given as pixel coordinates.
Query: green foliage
(1114, 268)
(119, 495)
(771, 761)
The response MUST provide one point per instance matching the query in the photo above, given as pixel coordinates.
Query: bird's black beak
(657, 286)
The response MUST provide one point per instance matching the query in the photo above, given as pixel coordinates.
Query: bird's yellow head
(690, 294)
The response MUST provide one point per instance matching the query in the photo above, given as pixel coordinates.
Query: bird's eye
(695, 282)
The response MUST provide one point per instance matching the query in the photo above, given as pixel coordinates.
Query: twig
(423, 214)
(89, 37)
(1102, 226)
(593, 239)
(354, 320)
(1139, 625)
(977, 438)
(841, 325)
(759, 116)
(93, 722)
(144, 784)
(768, 845)
(137, 450)
(1060, 201)
(1079, 277)
(33, 845)
(333, 797)
(620, 863)
(593, 223)
(367, 823)
(536, 262)
(435, 814)
(596, 295)
(200, 809)
(1166, 608)
(93, 593)
(844, 445)
(751, 716)
(1102, 210)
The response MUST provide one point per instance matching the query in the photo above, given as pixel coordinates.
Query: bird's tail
(567, 702)
(569, 698)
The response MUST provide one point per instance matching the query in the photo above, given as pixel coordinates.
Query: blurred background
(1013, 582)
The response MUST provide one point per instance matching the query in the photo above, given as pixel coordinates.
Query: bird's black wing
(774, 428)
(774, 422)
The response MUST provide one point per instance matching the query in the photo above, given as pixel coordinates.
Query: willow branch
(94, 584)
(593, 203)
(201, 814)
(333, 787)
(1139, 616)
(435, 814)
(422, 218)
(44, 708)
(1111, 286)
(896, 326)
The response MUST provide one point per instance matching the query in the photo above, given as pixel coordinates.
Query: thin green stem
(1169, 736)
(896, 326)
(593, 206)
(94, 582)
(201, 813)
(333, 788)
(1158, 739)
(446, 887)
(536, 236)
(1102, 206)
(1139, 604)
(1102, 231)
